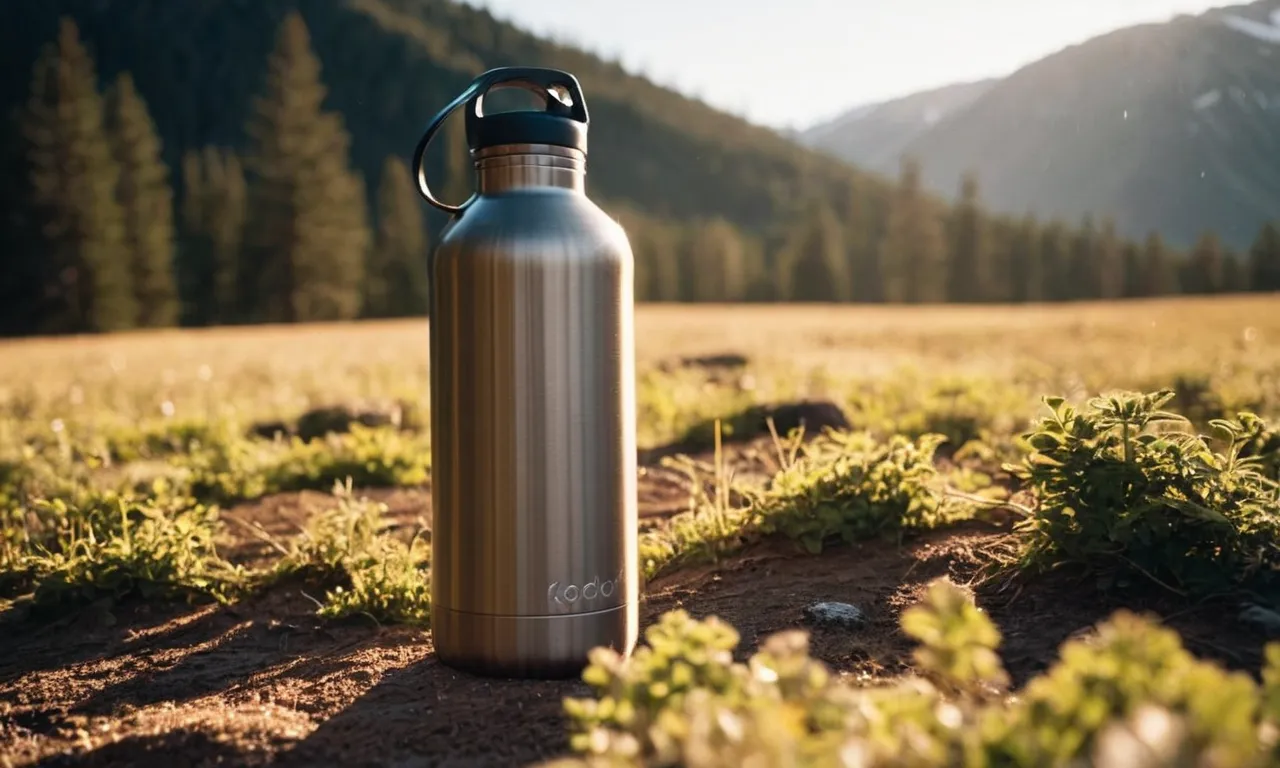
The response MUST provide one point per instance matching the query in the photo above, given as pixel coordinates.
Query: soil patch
(266, 682)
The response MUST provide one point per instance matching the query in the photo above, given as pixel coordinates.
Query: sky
(792, 63)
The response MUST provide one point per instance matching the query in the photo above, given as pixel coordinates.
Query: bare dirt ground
(265, 682)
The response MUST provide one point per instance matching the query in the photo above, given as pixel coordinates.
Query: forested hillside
(233, 161)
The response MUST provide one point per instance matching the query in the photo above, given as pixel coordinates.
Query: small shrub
(372, 573)
(368, 457)
(1125, 500)
(849, 487)
(390, 584)
(104, 544)
(839, 487)
(1259, 442)
(1131, 696)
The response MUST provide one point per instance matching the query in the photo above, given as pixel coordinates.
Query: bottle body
(534, 532)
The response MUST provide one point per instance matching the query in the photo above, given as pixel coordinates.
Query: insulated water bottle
(534, 529)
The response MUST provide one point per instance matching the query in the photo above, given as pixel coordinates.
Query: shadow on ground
(266, 681)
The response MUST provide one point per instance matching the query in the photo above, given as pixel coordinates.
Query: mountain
(390, 65)
(1171, 127)
(874, 135)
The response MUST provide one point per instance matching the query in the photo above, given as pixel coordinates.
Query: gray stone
(1263, 618)
(844, 615)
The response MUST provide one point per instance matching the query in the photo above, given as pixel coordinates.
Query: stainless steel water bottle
(534, 529)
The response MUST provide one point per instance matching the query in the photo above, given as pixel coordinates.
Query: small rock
(338, 419)
(270, 430)
(1263, 618)
(844, 615)
(723, 360)
(813, 415)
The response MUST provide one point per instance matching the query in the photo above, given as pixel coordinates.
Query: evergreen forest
(286, 226)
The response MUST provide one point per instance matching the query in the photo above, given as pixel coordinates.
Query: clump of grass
(368, 571)
(368, 456)
(849, 487)
(1130, 696)
(106, 544)
(391, 584)
(671, 403)
(962, 409)
(1122, 494)
(158, 439)
(838, 487)
(1259, 442)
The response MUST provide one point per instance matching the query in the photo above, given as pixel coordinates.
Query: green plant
(852, 486)
(1261, 442)
(1129, 697)
(390, 583)
(837, 487)
(372, 573)
(107, 544)
(368, 456)
(1124, 498)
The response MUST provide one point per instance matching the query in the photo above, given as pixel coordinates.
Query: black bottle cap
(562, 123)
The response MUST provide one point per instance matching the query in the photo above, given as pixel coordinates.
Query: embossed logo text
(567, 595)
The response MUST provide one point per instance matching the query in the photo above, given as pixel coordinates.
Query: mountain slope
(1171, 127)
(390, 64)
(874, 135)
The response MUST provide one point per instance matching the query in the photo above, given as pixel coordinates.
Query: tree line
(909, 248)
(283, 231)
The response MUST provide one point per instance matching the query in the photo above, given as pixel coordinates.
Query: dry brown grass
(262, 371)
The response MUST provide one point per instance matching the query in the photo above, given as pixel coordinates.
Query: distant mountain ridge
(875, 135)
(1170, 127)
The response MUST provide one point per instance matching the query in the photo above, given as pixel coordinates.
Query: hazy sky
(793, 62)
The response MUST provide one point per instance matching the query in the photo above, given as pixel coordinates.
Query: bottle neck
(523, 166)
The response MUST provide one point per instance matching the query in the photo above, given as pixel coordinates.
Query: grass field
(213, 545)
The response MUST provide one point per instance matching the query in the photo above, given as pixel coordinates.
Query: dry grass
(303, 361)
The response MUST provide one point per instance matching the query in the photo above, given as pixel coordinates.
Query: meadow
(1058, 522)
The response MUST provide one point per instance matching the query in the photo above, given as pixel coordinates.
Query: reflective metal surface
(533, 422)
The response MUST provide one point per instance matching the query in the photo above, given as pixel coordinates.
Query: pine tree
(1203, 270)
(216, 279)
(1159, 274)
(1234, 277)
(1026, 264)
(1001, 240)
(666, 246)
(861, 229)
(1108, 264)
(21, 299)
(656, 250)
(310, 233)
(1055, 256)
(718, 256)
(758, 285)
(1131, 263)
(396, 277)
(195, 267)
(970, 257)
(1264, 259)
(147, 199)
(1081, 279)
(913, 251)
(816, 258)
(73, 183)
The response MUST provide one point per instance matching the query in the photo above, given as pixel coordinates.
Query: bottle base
(537, 647)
